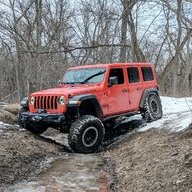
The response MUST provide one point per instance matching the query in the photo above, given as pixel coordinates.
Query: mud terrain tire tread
(147, 112)
(32, 128)
(77, 130)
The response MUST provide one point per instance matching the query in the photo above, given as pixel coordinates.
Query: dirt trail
(45, 163)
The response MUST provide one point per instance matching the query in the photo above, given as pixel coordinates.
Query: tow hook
(36, 118)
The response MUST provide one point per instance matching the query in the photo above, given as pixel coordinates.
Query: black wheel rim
(154, 106)
(90, 136)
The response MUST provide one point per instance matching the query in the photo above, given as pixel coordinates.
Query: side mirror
(113, 81)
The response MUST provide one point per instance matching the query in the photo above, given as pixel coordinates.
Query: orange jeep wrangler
(89, 99)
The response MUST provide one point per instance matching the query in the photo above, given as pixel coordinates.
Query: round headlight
(32, 100)
(61, 100)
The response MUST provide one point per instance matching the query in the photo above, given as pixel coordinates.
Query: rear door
(135, 87)
(117, 95)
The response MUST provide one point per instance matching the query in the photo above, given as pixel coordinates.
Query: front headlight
(32, 100)
(61, 100)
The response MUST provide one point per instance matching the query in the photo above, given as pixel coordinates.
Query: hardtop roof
(111, 65)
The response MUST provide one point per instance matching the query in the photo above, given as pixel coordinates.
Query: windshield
(85, 75)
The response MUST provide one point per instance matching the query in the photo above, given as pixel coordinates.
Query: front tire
(86, 134)
(152, 109)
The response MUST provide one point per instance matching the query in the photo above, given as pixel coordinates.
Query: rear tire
(86, 134)
(152, 109)
(35, 129)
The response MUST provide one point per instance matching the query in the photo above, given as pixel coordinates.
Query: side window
(117, 72)
(147, 73)
(133, 74)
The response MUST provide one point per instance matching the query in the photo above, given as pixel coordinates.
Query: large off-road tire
(35, 129)
(152, 109)
(86, 134)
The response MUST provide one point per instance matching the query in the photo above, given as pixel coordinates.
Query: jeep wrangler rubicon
(89, 99)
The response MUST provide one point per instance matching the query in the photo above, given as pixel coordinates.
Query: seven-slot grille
(45, 102)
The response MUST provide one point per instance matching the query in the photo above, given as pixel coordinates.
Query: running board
(119, 115)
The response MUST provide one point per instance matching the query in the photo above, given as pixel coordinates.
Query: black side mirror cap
(113, 81)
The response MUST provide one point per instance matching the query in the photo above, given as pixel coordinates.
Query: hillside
(153, 161)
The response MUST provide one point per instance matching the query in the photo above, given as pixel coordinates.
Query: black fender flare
(76, 101)
(146, 93)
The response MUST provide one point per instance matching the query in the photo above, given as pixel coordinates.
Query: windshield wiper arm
(69, 82)
(74, 82)
(94, 75)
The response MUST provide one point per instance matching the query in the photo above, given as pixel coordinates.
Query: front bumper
(41, 118)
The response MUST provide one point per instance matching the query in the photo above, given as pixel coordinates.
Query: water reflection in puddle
(75, 172)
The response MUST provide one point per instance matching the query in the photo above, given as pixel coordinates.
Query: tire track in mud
(113, 137)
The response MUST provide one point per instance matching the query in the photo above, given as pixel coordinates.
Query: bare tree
(39, 39)
(173, 74)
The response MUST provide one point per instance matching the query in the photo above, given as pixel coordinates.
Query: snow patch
(177, 115)
(176, 105)
(4, 125)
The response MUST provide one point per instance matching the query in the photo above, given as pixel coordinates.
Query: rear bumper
(41, 118)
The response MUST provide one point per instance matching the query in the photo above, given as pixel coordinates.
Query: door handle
(124, 90)
(139, 88)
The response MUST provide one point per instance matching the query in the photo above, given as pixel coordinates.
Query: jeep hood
(68, 90)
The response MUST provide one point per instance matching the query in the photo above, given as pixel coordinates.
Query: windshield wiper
(94, 75)
(73, 83)
(69, 82)
(87, 79)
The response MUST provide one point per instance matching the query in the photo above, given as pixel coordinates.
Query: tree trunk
(124, 27)
(137, 54)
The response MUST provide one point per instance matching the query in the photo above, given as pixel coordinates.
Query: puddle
(75, 172)
(70, 172)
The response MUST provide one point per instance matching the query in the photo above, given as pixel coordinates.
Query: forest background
(39, 39)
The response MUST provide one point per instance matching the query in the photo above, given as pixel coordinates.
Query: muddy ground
(21, 154)
(154, 160)
(45, 163)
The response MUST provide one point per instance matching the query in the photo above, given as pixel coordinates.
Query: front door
(117, 94)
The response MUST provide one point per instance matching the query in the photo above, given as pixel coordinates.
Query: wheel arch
(146, 93)
(87, 102)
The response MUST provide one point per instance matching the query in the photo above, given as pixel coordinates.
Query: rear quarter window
(147, 73)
